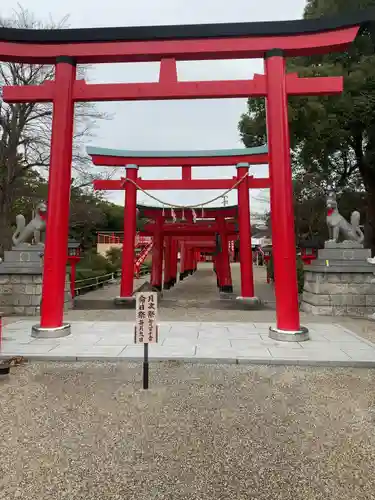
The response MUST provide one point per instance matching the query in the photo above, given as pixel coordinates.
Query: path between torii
(181, 302)
(198, 333)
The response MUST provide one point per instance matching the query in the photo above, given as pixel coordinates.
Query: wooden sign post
(146, 330)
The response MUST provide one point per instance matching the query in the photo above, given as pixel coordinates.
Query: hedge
(93, 279)
(300, 272)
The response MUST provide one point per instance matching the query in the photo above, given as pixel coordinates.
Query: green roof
(210, 153)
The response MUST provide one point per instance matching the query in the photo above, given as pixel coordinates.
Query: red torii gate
(273, 41)
(185, 159)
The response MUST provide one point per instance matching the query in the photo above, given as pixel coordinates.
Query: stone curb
(238, 361)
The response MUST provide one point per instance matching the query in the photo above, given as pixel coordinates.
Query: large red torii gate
(273, 41)
(185, 159)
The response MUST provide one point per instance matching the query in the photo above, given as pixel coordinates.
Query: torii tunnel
(242, 182)
(272, 41)
(189, 239)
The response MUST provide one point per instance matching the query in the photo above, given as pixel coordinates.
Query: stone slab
(341, 266)
(339, 287)
(343, 244)
(20, 268)
(358, 254)
(23, 256)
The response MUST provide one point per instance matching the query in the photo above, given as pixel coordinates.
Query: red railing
(141, 258)
(117, 239)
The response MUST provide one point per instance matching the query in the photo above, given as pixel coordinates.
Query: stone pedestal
(340, 282)
(21, 281)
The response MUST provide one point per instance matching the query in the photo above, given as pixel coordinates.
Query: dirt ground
(87, 431)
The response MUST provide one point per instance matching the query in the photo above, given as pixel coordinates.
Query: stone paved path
(193, 342)
(107, 293)
(201, 286)
(186, 304)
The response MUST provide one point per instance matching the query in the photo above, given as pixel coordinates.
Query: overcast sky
(201, 124)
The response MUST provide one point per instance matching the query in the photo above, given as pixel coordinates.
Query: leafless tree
(25, 129)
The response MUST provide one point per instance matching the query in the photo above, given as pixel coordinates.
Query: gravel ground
(86, 431)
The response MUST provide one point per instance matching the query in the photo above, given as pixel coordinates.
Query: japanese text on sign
(145, 323)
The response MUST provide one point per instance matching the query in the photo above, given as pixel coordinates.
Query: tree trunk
(5, 231)
(365, 161)
(370, 222)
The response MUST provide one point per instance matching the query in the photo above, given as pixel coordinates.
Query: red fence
(117, 238)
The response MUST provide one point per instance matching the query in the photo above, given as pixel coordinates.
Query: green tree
(332, 137)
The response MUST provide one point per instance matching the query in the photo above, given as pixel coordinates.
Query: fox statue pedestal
(340, 282)
(21, 281)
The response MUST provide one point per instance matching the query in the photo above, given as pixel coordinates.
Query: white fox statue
(338, 225)
(34, 228)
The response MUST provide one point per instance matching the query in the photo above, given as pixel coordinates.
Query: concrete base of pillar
(289, 336)
(125, 302)
(249, 301)
(51, 333)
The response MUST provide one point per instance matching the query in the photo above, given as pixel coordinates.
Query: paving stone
(51, 342)
(25, 349)
(158, 351)
(118, 340)
(266, 341)
(343, 337)
(87, 338)
(182, 331)
(326, 355)
(183, 342)
(96, 352)
(362, 355)
(113, 328)
(213, 330)
(230, 353)
(243, 332)
(333, 346)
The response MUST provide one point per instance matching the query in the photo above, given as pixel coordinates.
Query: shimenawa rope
(199, 205)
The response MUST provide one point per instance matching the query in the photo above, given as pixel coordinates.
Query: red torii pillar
(189, 268)
(282, 211)
(174, 261)
(183, 251)
(157, 255)
(246, 260)
(130, 227)
(167, 263)
(52, 305)
(225, 276)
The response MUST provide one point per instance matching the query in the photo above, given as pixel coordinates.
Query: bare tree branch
(25, 129)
